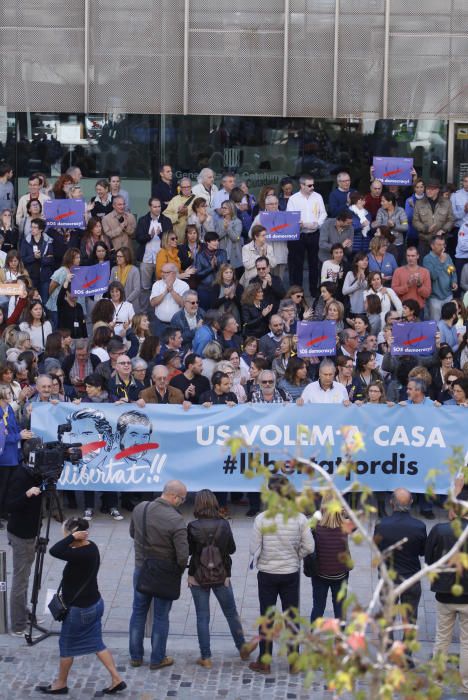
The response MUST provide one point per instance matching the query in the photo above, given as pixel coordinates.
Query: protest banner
(393, 171)
(281, 225)
(11, 289)
(316, 338)
(414, 338)
(90, 279)
(131, 449)
(65, 213)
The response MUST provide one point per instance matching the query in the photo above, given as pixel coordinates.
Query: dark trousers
(5, 476)
(320, 588)
(109, 499)
(307, 245)
(411, 598)
(459, 264)
(270, 586)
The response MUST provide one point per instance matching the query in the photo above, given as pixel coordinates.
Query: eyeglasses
(193, 303)
(173, 238)
(124, 363)
(267, 381)
(299, 295)
(308, 186)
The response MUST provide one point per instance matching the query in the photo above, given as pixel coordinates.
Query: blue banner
(393, 171)
(90, 279)
(316, 338)
(414, 338)
(132, 449)
(65, 213)
(281, 225)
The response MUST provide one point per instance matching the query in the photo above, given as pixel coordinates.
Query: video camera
(46, 459)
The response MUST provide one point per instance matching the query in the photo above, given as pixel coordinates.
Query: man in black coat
(149, 230)
(24, 507)
(450, 606)
(273, 289)
(404, 559)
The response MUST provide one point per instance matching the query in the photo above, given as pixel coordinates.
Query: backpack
(210, 570)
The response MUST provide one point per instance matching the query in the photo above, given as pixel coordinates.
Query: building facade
(264, 89)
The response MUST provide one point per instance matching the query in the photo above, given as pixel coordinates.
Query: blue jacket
(205, 271)
(10, 456)
(360, 242)
(179, 320)
(203, 336)
(443, 275)
(337, 201)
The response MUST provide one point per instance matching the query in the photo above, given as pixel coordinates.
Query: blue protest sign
(393, 171)
(413, 338)
(316, 338)
(90, 279)
(132, 449)
(65, 213)
(281, 225)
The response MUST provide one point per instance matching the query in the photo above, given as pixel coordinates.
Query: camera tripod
(49, 499)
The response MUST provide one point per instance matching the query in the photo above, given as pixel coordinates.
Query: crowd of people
(202, 309)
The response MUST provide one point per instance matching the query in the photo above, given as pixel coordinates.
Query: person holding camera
(81, 631)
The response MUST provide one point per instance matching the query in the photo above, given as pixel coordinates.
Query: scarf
(361, 214)
(210, 254)
(80, 371)
(122, 273)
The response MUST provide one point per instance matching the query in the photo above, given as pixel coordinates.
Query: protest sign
(281, 225)
(130, 449)
(90, 279)
(316, 338)
(413, 338)
(65, 213)
(11, 289)
(393, 171)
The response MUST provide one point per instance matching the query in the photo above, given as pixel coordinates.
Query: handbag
(57, 606)
(158, 577)
(311, 565)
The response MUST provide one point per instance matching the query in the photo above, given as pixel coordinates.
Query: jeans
(109, 500)
(446, 616)
(434, 306)
(270, 586)
(320, 587)
(146, 276)
(225, 597)
(160, 631)
(23, 558)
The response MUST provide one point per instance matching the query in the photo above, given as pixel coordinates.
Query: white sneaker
(114, 513)
(88, 514)
(18, 634)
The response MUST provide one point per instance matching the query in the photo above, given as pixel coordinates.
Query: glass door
(460, 152)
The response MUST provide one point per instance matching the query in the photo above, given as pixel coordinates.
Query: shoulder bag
(158, 577)
(57, 606)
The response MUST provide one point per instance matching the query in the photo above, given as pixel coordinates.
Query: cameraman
(23, 504)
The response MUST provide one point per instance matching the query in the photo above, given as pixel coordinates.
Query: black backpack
(211, 570)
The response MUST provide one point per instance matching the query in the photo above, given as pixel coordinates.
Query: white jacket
(281, 551)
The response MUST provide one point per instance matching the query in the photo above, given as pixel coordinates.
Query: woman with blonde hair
(141, 327)
(229, 230)
(334, 311)
(332, 558)
(169, 253)
(287, 349)
(128, 275)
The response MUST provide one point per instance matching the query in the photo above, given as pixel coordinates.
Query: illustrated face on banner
(134, 431)
(92, 430)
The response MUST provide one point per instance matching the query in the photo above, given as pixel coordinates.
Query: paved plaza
(23, 667)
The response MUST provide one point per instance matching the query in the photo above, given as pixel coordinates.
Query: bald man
(165, 540)
(405, 559)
